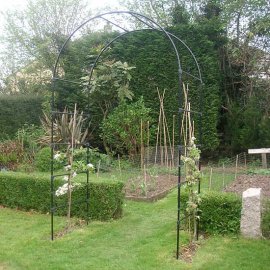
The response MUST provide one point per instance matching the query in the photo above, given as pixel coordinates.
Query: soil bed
(148, 188)
(243, 182)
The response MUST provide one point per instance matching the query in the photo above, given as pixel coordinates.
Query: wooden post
(264, 161)
(145, 180)
(263, 152)
(236, 167)
(148, 142)
(142, 150)
(98, 167)
(119, 165)
(173, 139)
(210, 179)
(223, 175)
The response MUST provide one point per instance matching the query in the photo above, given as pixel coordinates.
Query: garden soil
(243, 182)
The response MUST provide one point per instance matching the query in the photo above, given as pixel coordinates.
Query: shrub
(43, 159)
(266, 219)
(28, 136)
(123, 127)
(18, 110)
(99, 160)
(26, 192)
(10, 154)
(220, 212)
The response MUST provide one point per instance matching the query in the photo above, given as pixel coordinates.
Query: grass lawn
(143, 239)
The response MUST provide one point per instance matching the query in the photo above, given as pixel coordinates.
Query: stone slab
(251, 213)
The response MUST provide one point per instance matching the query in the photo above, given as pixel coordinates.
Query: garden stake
(236, 167)
(210, 179)
(173, 127)
(98, 168)
(223, 175)
(148, 142)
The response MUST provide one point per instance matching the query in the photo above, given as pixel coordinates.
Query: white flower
(74, 174)
(193, 139)
(65, 178)
(68, 167)
(57, 156)
(63, 190)
(90, 166)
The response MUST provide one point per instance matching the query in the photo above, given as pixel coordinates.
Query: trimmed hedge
(29, 192)
(220, 212)
(17, 110)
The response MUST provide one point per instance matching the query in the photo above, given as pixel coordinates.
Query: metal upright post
(87, 185)
(52, 160)
(200, 146)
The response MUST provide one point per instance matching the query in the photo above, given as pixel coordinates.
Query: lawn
(143, 239)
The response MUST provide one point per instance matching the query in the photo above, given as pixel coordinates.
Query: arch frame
(152, 26)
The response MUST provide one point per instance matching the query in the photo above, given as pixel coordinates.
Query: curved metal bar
(110, 13)
(139, 30)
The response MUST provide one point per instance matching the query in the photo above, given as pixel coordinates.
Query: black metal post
(52, 158)
(87, 185)
(200, 143)
(178, 203)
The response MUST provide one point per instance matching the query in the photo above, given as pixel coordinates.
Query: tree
(37, 33)
(163, 11)
(123, 127)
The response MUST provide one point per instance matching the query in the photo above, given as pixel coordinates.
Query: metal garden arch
(150, 26)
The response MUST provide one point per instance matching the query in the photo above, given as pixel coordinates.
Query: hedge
(17, 110)
(30, 192)
(220, 212)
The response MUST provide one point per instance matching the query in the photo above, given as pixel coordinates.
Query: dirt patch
(150, 188)
(188, 251)
(243, 182)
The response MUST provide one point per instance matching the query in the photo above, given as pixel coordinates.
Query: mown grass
(143, 239)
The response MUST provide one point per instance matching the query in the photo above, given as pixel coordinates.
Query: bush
(220, 212)
(266, 219)
(26, 192)
(43, 159)
(10, 154)
(28, 136)
(17, 110)
(100, 161)
(123, 127)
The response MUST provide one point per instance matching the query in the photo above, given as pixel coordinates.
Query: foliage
(27, 192)
(266, 219)
(67, 126)
(155, 64)
(43, 160)
(11, 153)
(192, 177)
(220, 212)
(28, 136)
(259, 171)
(35, 35)
(17, 110)
(122, 129)
(101, 162)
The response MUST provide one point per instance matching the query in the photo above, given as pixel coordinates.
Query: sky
(20, 4)
(17, 4)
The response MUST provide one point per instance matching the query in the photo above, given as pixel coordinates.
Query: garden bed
(150, 188)
(243, 182)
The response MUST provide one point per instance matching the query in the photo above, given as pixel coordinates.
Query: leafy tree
(164, 11)
(122, 129)
(37, 32)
